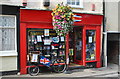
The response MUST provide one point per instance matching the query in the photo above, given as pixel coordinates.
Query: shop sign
(77, 18)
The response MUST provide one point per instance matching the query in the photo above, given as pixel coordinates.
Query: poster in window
(90, 39)
(55, 39)
(47, 42)
(39, 39)
(62, 38)
(33, 38)
(34, 58)
(46, 32)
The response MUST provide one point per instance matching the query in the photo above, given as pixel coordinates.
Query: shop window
(7, 33)
(75, 3)
(90, 45)
(78, 44)
(46, 42)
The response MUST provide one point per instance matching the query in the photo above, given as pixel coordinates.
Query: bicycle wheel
(33, 70)
(59, 65)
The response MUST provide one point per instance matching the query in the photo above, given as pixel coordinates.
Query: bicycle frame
(47, 62)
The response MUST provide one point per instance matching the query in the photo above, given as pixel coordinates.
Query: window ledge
(8, 53)
(75, 6)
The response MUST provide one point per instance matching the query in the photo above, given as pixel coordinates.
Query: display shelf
(46, 43)
(61, 48)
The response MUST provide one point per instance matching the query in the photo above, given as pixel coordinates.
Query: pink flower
(55, 22)
(65, 21)
(61, 28)
(57, 17)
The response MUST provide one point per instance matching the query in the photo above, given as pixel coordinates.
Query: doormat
(75, 66)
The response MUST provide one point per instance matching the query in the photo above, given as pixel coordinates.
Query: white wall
(8, 63)
(111, 12)
(12, 2)
(38, 4)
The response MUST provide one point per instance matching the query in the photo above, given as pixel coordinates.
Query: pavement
(110, 71)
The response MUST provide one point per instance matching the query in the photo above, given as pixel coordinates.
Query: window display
(45, 41)
(90, 44)
(78, 44)
(71, 47)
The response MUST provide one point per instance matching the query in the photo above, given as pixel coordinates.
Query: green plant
(62, 19)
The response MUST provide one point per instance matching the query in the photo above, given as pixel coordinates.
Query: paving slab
(91, 72)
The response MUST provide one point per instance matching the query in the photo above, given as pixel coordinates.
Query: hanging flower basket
(62, 19)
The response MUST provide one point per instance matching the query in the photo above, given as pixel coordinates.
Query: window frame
(10, 52)
(76, 6)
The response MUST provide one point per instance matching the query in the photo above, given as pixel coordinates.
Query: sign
(67, 61)
(39, 39)
(77, 18)
(34, 58)
(90, 39)
(47, 41)
(62, 38)
(44, 61)
(55, 39)
(46, 32)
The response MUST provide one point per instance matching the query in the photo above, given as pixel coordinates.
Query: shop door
(78, 45)
(92, 44)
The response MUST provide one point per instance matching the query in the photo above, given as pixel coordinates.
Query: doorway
(78, 45)
(84, 45)
(75, 46)
(113, 48)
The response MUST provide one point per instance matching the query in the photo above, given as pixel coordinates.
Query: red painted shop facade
(82, 45)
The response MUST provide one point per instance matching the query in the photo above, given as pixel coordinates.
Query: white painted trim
(8, 53)
(7, 27)
(105, 50)
(75, 6)
(7, 15)
(113, 32)
(15, 34)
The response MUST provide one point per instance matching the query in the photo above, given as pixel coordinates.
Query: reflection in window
(7, 33)
(7, 21)
(73, 2)
(77, 2)
(8, 39)
(78, 44)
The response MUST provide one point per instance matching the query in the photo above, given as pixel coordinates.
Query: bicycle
(58, 64)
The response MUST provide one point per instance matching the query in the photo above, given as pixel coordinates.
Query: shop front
(82, 46)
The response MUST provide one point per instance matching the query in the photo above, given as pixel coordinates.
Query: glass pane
(0, 39)
(8, 39)
(90, 44)
(44, 41)
(78, 44)
(68, 1)
(77, 2)
(7, 21)
(73, 2)
(0, 21)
